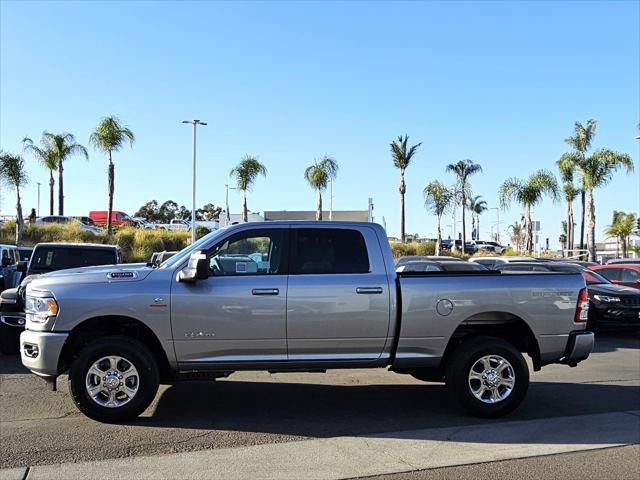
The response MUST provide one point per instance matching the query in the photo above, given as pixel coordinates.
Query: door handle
(369, 290)
(265, 291)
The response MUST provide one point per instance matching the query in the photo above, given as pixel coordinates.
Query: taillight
(582, 311)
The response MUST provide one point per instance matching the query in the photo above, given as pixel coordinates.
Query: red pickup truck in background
(118, 218)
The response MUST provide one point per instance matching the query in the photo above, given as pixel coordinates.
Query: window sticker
(49, 257)
(241, 267)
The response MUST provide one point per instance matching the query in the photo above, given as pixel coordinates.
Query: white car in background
(492, 262)
(62, 220)
(483, 246)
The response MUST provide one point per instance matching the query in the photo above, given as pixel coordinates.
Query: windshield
(49, 259)
(182, 254)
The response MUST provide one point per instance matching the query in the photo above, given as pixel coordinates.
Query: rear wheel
(488, 376)
(114, 379)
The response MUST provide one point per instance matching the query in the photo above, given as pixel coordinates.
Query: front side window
(629, 275)
(255, 252)
(610, 273)
(327, 250)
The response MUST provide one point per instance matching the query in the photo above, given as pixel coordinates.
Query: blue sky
(500, 83)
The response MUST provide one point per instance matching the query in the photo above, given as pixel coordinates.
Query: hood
(133, 272)
(612, 289)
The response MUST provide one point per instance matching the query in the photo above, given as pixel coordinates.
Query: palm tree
(581, 143)
(46, 158)
(516, 235)
(12, 173)
(245, 174)
(437, 199)
(477, 207)
(528, 194)
(108, 137)
(463, 169)
(62, 146)
(570, 193)
(402, 155)
(596, 171)
(319, 175)
(622, 227)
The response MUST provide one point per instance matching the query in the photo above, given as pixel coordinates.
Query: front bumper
(15, 320)
(579, 347)
(40, 351)
(616, 316)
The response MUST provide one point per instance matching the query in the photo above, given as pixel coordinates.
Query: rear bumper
(579, 347)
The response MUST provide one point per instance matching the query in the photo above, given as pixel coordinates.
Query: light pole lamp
(195, 123)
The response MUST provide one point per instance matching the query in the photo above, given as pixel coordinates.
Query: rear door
(338, 295)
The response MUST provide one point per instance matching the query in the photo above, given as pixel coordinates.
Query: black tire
(138, 355)
(463, 360)
(9, 340)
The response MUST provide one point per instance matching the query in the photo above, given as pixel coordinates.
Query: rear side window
(328, 250)
(50, 259)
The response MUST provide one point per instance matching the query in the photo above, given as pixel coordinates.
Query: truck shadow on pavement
(313, 410)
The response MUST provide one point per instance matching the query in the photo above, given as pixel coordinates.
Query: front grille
(630, 301)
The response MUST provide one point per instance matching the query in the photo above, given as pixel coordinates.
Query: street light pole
(39, 198)
(497, 223)
(330, 199)
(195, 123)
(226, 202)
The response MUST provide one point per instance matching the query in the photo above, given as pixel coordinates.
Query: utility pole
(497, 223)
(39, 198)
(330, 199)
(226, 202)
(195, 123)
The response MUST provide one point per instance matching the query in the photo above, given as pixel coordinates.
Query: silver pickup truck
(297, 296)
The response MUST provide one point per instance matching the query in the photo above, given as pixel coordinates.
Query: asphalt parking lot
(39, 427)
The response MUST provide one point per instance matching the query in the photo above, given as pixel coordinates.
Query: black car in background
(610, 306)
(25, 253)
(46, 257)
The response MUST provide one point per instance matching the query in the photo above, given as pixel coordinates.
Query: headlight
(41, 308)
(606, 298)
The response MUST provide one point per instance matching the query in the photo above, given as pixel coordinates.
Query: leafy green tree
(149, 211)
(622, 227)
(319, 175)
(529, 193)
(438, 199)
(463, 169)
(12, 172)
(48, 160)
(108, 137)
(595, 171)
(62, 146)
(517, 235)
(477, 207)
(208, 213)
(402, 155)
(245, 175)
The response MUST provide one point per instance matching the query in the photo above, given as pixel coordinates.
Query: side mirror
(197, 269)
(21, 266)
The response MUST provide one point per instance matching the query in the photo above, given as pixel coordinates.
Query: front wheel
(114, 379)
(488, 376)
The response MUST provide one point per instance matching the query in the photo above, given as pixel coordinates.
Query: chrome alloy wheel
(491, 379)
(112, 381)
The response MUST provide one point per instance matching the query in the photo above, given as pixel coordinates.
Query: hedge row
(137, 244)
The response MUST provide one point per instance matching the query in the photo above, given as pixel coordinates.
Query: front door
(237, 314)
(338, 295)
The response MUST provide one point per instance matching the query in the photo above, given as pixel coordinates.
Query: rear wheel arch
(98, 327)
(499, 324)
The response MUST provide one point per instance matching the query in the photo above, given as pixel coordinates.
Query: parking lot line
(348, 457)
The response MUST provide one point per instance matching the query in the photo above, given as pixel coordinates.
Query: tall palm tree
(319, 175)
(45, 156)
(596, 172)
(581, 143)
(528, 194)
(108, 137)
(402, 155)
(63, 146)
(621, 228)
(12, 173)
(570, 193)
(437, 199)
(245, 174)
(477, 207)
(463, 169)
